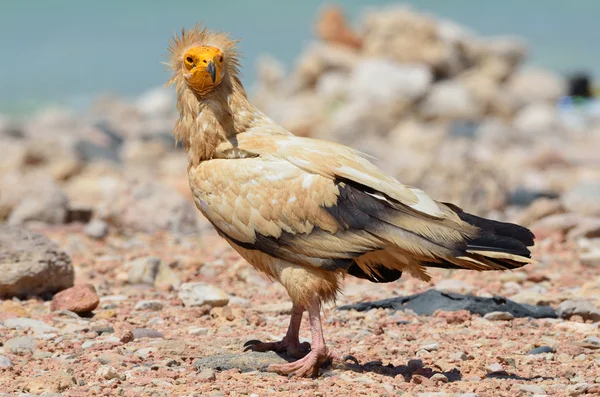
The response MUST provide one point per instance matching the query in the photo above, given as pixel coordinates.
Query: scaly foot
(293, 349)
(305, 367)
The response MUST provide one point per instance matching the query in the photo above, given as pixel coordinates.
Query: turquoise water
(66, 51)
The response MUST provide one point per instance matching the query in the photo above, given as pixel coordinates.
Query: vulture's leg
(310, 364)
(290, 344)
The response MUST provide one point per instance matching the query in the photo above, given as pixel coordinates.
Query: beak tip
(212, 70)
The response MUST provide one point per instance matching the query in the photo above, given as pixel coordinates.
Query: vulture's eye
(189, 60)
(221, 59)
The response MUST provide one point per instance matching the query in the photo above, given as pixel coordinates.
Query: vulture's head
(202, 60)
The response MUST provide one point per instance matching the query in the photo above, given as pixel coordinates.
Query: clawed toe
(252, 342)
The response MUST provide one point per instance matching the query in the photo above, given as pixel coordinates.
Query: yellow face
(203, 68)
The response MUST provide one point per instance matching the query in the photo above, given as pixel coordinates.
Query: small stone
(431, 346)
(79, 299)
(592, 340)
(143, 270)
(498, 316)
(578, 389)
(105, 314)
(37, 326)
(541, 350)
(139, 333)
(199, 294)
(97, 229)
(582, 308)
(21, 345)
(206, 375)
(198, 331)
(107, 372)
(5, 362)
(459, 356)
(439, 378)
(166, 278)
(495, 367)
(145, 352)
(102, 329)
(154, 305)
(527, 390)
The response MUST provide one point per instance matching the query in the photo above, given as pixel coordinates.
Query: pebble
(498, 316)
(198, 331)
(5, 362)
(143, 270)
(102, 329)
(430, 346)
(459, 356)
(144, 352)
(154, 305)
(139, 333)
(578, 389)
(541, 349)
(206, 375)
(107, 372)
(21, 345)
(79, 299)
(458, 286)
(36, 326)
(439, 378)
(198, 294)
(97, 229)
(495, 367)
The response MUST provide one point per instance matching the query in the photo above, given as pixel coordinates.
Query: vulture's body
(307, 212)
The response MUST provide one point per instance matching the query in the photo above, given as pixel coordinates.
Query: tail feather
(498, 246)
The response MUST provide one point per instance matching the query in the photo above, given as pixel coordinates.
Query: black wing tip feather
(497, 236)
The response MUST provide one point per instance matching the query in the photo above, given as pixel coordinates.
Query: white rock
(583, 199)
(535, 85)
(107, 372)
(537, 118)
(154, 305)
(97, 229)
(527, 390)
(143, 270)
(36, 326)
(583, 308)
(156, 102)
(450, 99)
(5, 362)
(498, 316)
(198, 294)
(383, 81)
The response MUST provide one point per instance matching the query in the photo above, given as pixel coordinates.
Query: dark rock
(541, 349)
(245, 362)
(426, 303)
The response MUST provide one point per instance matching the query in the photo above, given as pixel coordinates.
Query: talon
(349, 357)
(252, 342)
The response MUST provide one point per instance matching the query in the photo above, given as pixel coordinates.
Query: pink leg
(290, 344)
(310, 364)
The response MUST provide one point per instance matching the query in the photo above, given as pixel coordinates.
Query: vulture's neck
(206, 121)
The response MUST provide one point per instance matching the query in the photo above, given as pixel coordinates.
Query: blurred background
(488, 105)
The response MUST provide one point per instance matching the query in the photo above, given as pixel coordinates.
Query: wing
(269, 204)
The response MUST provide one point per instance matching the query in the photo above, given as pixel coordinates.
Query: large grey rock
(426, 303)
(384, 81)
(198, 294)
(37, 326)
(245, 362)
(31, 264)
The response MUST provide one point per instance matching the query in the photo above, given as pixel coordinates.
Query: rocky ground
(114, 285)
